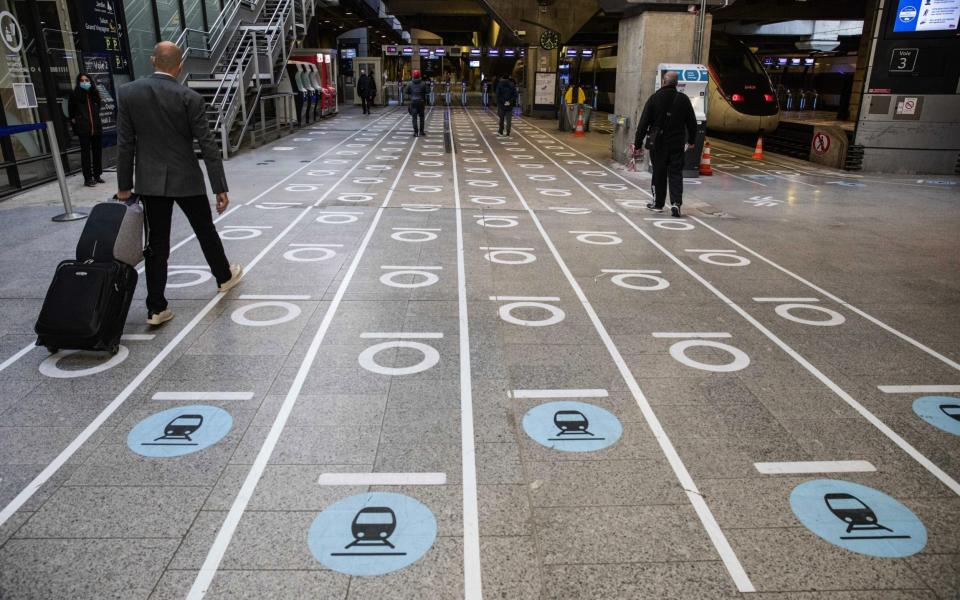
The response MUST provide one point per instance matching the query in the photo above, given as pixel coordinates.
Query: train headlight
(737, 97)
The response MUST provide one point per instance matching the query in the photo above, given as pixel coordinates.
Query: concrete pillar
(863, 54)
(645, 41)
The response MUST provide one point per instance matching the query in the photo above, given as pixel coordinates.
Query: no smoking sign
(821, 143)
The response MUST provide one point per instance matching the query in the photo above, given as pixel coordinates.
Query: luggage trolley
(573, 426)
(857, 515)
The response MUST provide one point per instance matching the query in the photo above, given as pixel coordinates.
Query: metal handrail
(217, 31)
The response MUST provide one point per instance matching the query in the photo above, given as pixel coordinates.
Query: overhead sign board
(390, 50)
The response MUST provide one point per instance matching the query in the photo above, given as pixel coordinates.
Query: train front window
(375, 519)
(730, 58)
(846, 504)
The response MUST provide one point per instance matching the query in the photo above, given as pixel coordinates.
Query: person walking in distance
(158, 119)
(416, 92)
(670, 129)
(366, 89)
(85, 118)
(506, 100)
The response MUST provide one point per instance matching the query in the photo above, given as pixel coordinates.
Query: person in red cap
(416, 90)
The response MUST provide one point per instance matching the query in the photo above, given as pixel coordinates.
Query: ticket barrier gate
(431, 94)
(447, 97)
(463, 93)
(485, 93)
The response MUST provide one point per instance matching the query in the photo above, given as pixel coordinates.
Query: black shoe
(415, 134)
(99, 179)
(423, 134)
(89, 183)
(675, 210)
(654, 207)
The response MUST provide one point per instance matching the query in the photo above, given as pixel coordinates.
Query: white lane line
(699, 335)
(219, 547)
(904, 445)
(919, 389)
(890, 329)
(383, 479)
(140, 269)
(274, 296)
(203, 396)
(380, 335)
(319, 156)
(472, 581)
(825, 466)
(786, 300)
(813, 286)
(524, 298)
(728, 174)
(567, 393)
(137, 337)
(65, 455)
(709, 522)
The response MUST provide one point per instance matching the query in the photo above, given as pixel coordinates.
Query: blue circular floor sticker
(858, 518)
(372, 533)
(572, 426)
(942, 412)
(179, 431)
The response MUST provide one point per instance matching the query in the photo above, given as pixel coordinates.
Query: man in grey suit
(158, 120)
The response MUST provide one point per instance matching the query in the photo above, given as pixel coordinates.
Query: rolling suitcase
(86, 306)
(87, 303)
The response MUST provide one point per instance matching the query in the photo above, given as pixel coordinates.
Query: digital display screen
(474, 63)
(926, 15)
(439, 51)
(509, 52)
(474, 51)
(572, 51)
(349, 52)
(794, 61)
(407, 51)
(493, 52)
(781, 61)
(767, 61)
(424, 51)
(586, 53)
(808, 61)
(391, 50)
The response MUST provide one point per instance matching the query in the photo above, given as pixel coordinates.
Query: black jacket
(366, 86)
(416, 90)
(85, 112)
(506, 92)
(682, 120)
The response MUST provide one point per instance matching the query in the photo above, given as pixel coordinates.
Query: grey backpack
(113, 231)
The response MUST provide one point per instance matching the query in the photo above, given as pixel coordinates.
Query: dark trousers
(506, 116)
(365, 104)
(667, 165)
(90, 156)
(417, 112)
(158, 211)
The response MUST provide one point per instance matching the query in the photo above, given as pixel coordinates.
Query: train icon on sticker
(372, 534)
(572, 426)
(943, 412)
(858, 518)
(179, 431)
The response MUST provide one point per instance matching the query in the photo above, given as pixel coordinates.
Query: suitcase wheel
(113, 350)
(52, 350)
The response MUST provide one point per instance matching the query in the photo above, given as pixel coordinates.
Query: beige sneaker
(236, 272)
(160, 318)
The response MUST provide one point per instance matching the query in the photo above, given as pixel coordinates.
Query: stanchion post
(68, 213)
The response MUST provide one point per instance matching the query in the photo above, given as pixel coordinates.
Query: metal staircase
(241, 60)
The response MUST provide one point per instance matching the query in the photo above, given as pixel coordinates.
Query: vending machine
(691, 80)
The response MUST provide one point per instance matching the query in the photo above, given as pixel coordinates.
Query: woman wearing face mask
(85, 118)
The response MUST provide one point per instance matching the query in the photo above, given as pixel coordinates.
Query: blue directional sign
(372, 533)
(572, 426)
(858, 518)
(179, 431)
(943, 412)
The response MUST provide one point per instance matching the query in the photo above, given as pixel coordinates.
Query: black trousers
(365, 104)
(91, 163)
(667, 166)
(417, 110)
(506, 116)
(158, 211)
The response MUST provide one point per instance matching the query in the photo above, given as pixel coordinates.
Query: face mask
(85, 85)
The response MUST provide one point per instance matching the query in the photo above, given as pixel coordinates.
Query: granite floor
(491, 372)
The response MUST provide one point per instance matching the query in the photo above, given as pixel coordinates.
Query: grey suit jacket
(157, 122)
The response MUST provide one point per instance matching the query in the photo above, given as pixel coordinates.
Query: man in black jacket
(506, 100)
(416, 91)
(667, 117)
(367, 90)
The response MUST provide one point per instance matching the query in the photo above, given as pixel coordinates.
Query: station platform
(493, 373)
(823, 118)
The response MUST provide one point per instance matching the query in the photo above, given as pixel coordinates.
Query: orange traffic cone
(705, 168)
(758, 151)
(579, 131)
